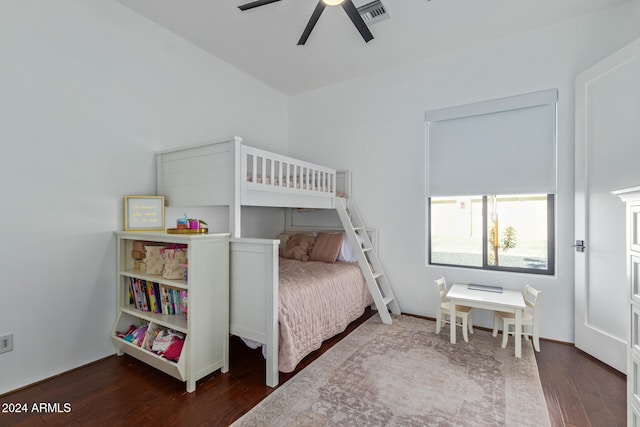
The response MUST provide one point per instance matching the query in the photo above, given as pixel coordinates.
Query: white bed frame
(229, 173)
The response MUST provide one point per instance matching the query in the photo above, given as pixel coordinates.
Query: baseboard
(482, 328)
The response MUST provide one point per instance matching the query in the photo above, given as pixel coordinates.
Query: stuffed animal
(298, 247)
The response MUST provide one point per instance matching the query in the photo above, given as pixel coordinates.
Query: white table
(507, 301)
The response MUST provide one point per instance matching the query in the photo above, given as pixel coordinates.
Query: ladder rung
(367, 249)
(358, 228)
(387, 300)
(376, 275)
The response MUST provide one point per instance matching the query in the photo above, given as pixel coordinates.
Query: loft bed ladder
(367, 259)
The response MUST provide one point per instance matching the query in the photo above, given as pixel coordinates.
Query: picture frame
(144, 213)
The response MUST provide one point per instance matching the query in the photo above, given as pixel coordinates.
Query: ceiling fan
(347, 5)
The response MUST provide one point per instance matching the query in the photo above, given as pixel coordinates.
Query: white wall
(375, 127)
(89, 91)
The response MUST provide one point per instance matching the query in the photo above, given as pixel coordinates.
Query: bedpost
(235, 225)
(253, 296)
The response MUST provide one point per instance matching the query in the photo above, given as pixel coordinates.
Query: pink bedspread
(317, 300)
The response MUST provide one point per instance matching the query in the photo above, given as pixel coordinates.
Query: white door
(607, 158)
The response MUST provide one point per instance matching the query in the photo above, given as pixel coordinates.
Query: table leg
(452, 322)
(517, 333)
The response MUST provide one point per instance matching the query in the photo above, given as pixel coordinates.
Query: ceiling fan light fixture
(354, 13)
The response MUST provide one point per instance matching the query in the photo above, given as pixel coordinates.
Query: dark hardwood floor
(121, 391)
(579, 389)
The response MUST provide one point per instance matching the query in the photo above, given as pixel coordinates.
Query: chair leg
(536, 339)
(495, 325)
(438, 321)
(505, 334)
(470, 321)
(465, 335)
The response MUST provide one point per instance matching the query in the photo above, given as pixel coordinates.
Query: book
(153, 303)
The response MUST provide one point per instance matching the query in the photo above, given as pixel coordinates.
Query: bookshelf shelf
(156, 278)
(166, 320)
(205, 324)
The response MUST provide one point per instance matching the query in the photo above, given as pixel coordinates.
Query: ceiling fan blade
(256, 4)
(357, 20)
(312, 22)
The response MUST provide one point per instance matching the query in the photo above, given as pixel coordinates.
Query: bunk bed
(229, 173)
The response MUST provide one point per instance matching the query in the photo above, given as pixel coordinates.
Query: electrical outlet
(6, 343)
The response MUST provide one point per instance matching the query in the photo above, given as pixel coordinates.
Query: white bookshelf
(206, 328)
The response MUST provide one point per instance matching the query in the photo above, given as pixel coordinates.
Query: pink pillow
(327, 247)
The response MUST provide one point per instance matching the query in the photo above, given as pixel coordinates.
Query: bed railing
(268, 171)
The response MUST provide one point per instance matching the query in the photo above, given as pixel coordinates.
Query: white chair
(529, 319)
(443, 313)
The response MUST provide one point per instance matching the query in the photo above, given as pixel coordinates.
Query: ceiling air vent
(373, 12)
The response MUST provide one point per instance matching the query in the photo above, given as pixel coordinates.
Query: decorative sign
(143, 213)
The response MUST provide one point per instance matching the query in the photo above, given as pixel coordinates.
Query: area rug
(405, 375)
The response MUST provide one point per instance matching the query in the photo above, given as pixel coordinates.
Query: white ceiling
(262, 41)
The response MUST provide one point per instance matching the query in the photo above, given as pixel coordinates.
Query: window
(508, 233)
(504, 151)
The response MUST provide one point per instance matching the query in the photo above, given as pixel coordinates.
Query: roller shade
(503, 146)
